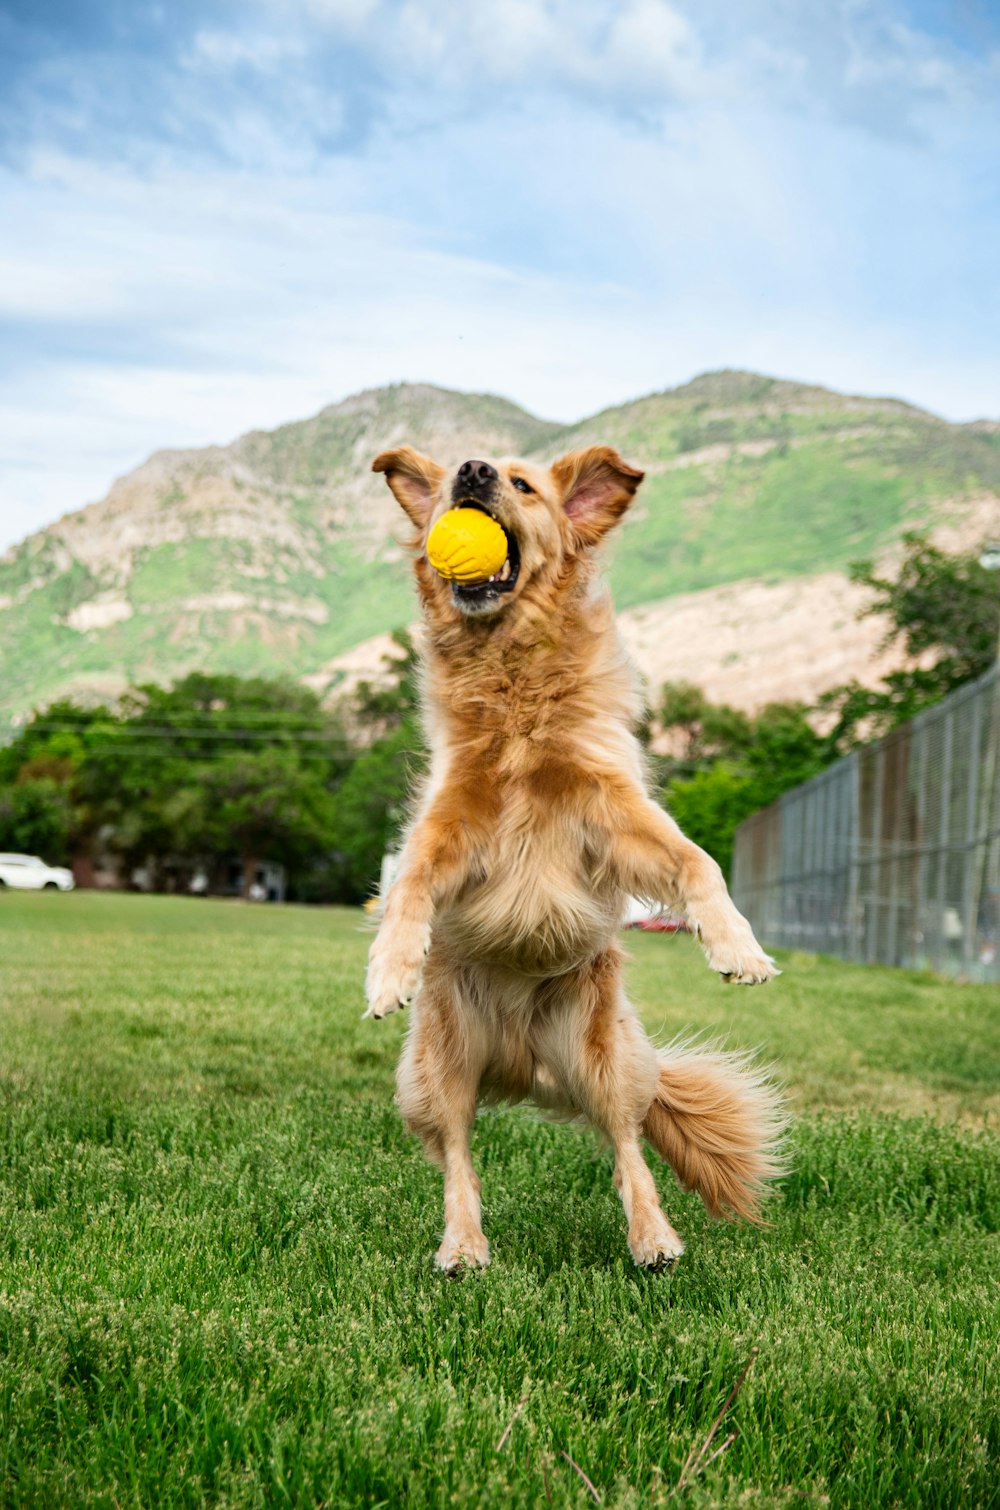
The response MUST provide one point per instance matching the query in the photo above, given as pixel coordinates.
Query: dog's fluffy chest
(534, 753)
(539, 919)
(538, 901)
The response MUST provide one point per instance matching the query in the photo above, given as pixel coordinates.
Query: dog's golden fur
(500, 930)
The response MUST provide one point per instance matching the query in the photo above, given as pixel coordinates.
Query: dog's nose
(476, 474)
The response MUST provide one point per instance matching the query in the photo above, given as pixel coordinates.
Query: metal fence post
(854, 878)
(920, 837)
(944, 834)
(971, 885)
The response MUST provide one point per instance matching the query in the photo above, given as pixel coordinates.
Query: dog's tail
(719, 1122)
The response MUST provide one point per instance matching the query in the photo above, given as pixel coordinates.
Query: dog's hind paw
(461, 1251)
(657, 1247)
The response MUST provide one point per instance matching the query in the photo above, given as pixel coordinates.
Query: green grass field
(215, 1244)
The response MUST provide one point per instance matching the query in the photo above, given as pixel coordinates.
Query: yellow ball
(466, 546)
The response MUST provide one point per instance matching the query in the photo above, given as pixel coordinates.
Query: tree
(371, 803)
(54, 741)
(264, 805)
(711, 804)
(36, 818)
(945, 610)
(733, 763)
(384, 705)
(216, 767)
(785, 749)
(370, 808)
(700, 731)
(219, 765)
(41, 808)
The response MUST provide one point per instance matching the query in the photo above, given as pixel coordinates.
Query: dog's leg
(433, 867)
(463, 1245)
(650, 857)
(588, 1038)
(437, 1082)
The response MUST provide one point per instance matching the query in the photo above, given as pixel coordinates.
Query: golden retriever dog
(500, 931)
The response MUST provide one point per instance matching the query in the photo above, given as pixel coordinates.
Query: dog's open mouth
(482, 594)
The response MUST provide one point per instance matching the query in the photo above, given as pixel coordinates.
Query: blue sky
(219, 216)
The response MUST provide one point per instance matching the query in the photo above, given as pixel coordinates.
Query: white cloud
(256, 301)
(651, 47)
(860, 63)
(636, 52)
(600, 200)
(219, 49)
(350, 14)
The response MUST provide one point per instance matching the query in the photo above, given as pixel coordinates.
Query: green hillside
(270, 555)
(754, 477)
(281, 551)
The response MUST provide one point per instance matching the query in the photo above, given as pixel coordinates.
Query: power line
(269, 718)
(170, 731)
(124, 749)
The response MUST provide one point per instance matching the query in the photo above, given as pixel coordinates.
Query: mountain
(280, 552)
(268, 555)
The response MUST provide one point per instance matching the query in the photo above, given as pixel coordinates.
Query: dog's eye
(521, 485)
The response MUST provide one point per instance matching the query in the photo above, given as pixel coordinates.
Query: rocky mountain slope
(280, 551)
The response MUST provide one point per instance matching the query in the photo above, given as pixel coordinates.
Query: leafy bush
(36, 817)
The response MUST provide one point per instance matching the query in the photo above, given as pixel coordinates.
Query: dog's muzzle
(476, 481)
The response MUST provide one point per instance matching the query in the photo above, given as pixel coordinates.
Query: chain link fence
(891, 856)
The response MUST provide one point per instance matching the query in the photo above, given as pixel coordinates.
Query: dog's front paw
(732, 950)
(394, 967)
(743, 963)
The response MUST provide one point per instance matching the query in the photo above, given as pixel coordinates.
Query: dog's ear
(597, 487)
(413, 479)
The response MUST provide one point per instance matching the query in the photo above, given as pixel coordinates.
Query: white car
(29, 873)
